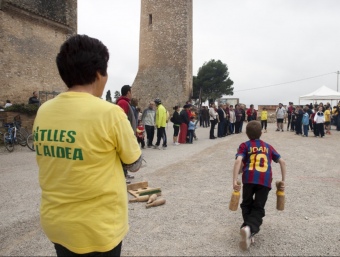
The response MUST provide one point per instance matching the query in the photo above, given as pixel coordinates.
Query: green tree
(108, 96)
(117, 95)
(212, 81)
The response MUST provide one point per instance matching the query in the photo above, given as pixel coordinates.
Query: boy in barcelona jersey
(254, 157)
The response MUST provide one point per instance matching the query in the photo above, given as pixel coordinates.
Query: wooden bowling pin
(155, 203)
(235, 199)
(143, 198)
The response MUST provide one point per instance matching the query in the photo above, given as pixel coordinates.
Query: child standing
(191, 129)
(256, 157)
(141, 134)
(305, 122)
(264, 117)
(319, 119)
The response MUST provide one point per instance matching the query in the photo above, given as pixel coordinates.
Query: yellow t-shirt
(80, 141)
(327, 115)
(264, 115)
(161, 116)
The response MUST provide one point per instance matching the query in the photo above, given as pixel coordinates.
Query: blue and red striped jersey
(257, 157)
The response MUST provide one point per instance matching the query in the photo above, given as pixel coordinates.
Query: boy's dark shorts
(327, 123)
(279, 120)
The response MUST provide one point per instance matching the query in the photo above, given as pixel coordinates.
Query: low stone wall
(8, 117)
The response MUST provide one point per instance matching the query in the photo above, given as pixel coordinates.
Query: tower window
(150, 19)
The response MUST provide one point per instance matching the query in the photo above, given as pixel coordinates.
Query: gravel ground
(196, 181)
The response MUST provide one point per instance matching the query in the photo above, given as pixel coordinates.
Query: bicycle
(30, 142)
(12, 137)
(21, 130)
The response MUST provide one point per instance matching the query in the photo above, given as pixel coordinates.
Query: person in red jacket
(251, 113)
(124, 102)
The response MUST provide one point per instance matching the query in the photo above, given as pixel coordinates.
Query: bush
(29, 109)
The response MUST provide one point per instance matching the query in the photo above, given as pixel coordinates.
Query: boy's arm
(237, 166)
(283, 173)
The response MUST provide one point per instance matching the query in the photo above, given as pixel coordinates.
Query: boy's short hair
(125, 89)
(80, 58)
(253, 129)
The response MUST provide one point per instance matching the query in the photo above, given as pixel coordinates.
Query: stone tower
(165, 53)
(31, 33)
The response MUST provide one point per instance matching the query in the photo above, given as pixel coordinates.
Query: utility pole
(337, 81)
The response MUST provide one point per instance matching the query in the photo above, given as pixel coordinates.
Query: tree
(117, 95)
(212, 81)
(108, 96)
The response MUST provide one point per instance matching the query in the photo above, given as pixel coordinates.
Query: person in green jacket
(161, 117)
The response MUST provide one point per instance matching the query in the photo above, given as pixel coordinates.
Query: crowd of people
(301, 119)
(226, 119)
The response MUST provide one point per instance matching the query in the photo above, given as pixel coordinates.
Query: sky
(275, 50)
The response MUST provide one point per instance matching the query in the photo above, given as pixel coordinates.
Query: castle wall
(165, 54)
(31, 33)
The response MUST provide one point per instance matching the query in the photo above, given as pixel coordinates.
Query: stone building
(31, 32)
(165, 53)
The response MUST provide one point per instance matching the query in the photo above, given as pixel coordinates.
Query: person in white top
(213, 120)
(8, 103)
(232, 119)
(280, 115)
(319, 120)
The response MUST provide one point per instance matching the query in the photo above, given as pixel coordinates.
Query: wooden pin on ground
(143, 198)
(155, 203)
(152, 198)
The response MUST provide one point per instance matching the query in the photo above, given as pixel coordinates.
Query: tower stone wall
(31, 33)
(165, 53)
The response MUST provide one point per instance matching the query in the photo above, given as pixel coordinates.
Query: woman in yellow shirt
(264, 117)
(82, 143)
(327, 114)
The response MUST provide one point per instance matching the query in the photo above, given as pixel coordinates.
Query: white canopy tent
(323, 93)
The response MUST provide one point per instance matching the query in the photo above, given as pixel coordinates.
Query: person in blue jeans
(305, 122)
(191, 129)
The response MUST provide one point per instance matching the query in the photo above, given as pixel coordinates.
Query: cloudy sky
(276, 50)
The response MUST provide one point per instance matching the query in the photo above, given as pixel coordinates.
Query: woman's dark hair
(80, 58)
(176, 107)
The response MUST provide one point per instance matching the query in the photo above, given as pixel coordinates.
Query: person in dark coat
(176, 120)
(221, 124)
